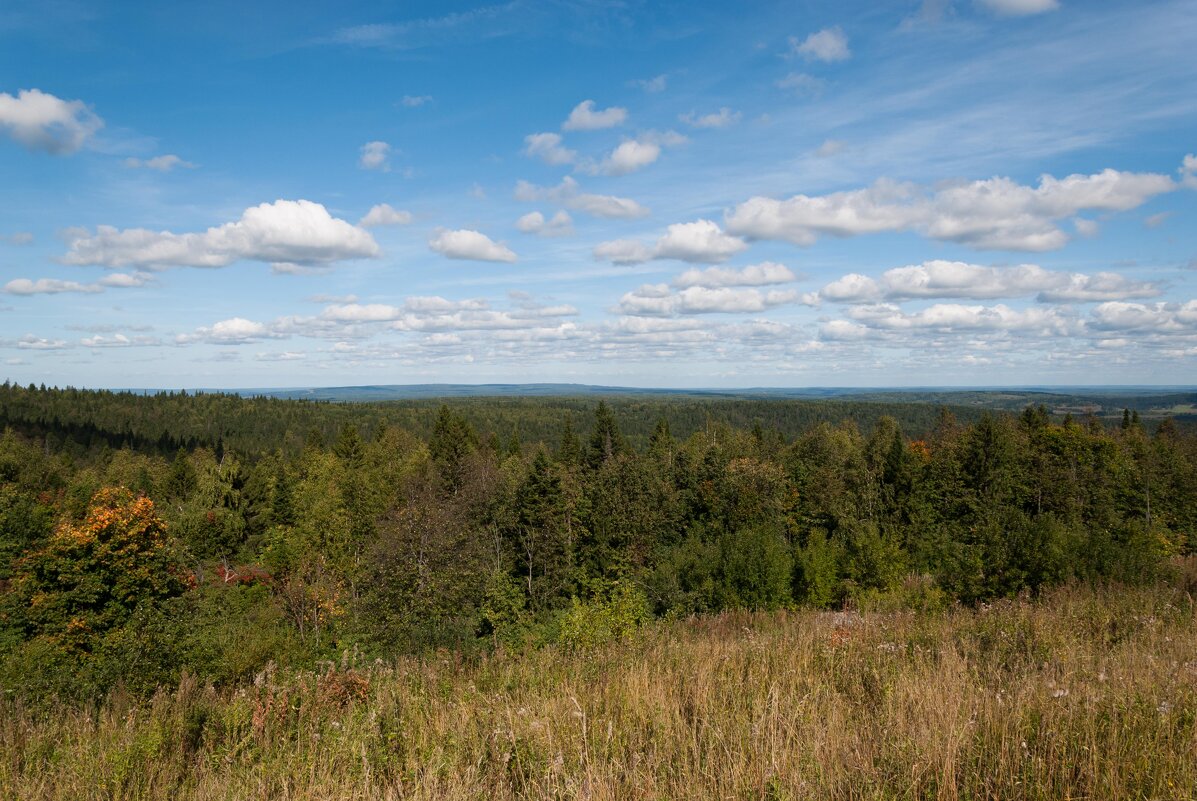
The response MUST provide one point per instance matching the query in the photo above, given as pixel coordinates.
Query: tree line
(124, 565)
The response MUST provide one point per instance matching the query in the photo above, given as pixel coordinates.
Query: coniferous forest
(211, 597)
(144, 538)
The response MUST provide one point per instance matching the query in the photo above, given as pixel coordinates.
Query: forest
(144, 538)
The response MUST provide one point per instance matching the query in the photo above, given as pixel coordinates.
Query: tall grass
(1082, 694)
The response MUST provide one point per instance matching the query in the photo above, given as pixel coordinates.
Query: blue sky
(967, 192)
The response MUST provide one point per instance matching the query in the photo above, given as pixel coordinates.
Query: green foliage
(405, 534)
(754, 569)
(613, 610)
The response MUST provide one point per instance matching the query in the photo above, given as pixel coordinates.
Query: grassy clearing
(1084, 694)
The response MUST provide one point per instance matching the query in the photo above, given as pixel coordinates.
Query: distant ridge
(380, 392)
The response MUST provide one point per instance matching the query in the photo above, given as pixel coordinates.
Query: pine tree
(569, 452)
(606, 441)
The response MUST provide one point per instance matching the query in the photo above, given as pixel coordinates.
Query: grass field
(1082, 694)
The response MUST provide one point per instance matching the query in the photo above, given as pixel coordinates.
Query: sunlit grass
(1083, 694)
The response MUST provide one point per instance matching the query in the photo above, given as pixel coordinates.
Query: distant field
(1085, 694)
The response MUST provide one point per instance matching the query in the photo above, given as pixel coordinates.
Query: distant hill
(1103, 401)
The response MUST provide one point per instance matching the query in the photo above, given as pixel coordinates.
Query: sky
(658, 194)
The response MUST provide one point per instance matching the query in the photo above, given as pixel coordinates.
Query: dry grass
(1083, 695)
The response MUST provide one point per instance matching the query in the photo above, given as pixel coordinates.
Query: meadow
(1082, 693)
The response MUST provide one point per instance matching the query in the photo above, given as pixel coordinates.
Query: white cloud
(1019, 8)
(1156, 220)
(47, 286)
(548, 148)
(762, 274)
(584, 117)
(568, 194)
(286, 232)
(126, 280)
(1188, 171)
(1099, 287)
(700, 241)
(718, 119)
(18, 238)
(953, 317)
(31, 342)
(41, 121)
(800, 84)
(361, 312)
(623, 251)
(164, 163)
(656, 300)
(283, 356)
(1154, 318)
(651, 85)
(996, 213)
(384, 214)
(119, 340)
(829, 44)
(375, 156)
(415, 101)
(235, 330)
(954, 279)
(852, 288)
(629, 156)
(560, 224)
(467, 244)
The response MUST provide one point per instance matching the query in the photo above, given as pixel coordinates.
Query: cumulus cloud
(55, 286)
(548, 148)
(18, 238)
(569, 194)
(47, 286)
(623, 251)
(119, 340)
(629, 156)
(296, 232)
(954, 317)
(415, 101)
(1018, 8)
(995, 213)
(700, 241)
(829, 44)
(126, 280)
(384, 214)
(41, 121)
(657, 300)
(375, 156)
(471, 245)
(633, 154)
(585, 117)
(718, 119)
(954, 279)
(1188, 171)
(235, 330)
(1155, 318)
(31, 342)
(164, 163)
(560, 224)
(281, 356)
(763, 274)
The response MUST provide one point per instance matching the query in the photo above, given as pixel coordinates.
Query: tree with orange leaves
(94, 576)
